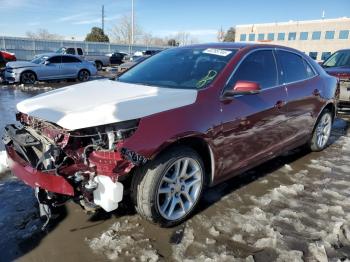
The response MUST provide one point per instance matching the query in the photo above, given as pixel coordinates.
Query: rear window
(340, 58)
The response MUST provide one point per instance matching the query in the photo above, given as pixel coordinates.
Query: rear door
(254, 125)
(304, 90)
(51, 70)
(70, 66)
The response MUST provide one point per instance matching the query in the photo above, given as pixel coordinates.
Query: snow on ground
(305, 220)
(3, 162)
(122, 241)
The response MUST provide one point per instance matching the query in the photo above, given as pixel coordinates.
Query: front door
(51, 70)
(253, 126)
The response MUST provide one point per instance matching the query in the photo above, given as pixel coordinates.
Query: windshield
(40, 59)
(340, 58)
(62, 50)
(190, 68)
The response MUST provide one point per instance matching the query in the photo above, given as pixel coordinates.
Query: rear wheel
(322, 131)
(83, 75)
(167, 190)
(28, 78)
(99, 65)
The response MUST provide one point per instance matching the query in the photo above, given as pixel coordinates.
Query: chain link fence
(26, 49)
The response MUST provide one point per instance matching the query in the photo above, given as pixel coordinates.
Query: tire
(28, 78)
(99, 65)
(321, 132)
(83, 75)
(160, 190)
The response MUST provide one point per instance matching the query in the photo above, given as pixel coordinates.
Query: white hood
(103, 102)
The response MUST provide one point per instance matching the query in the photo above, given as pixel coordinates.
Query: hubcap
(84, 76)
(323, 130)
(28, 78)
(179, 188)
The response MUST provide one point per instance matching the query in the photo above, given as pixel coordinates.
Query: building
(317, 38)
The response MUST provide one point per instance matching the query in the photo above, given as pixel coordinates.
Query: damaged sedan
(181, 121)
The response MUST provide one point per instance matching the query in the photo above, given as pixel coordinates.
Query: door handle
(316, 92)
(279, 104)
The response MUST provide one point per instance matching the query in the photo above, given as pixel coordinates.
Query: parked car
(171, 126)
(127, 65)
(99, 60)
(6, 57)
(49, 67)
(338, 65)
(117, 58)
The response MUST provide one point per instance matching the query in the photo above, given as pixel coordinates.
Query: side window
(310, 72)
(70, 59)
(259, 67)
(294, 67)
(80, 51)
(70, 51)
(55, 60)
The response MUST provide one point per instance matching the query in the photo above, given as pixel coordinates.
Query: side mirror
(46, 62)
(243, 88)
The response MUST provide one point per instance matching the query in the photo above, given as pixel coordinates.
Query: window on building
(313, 55)
(292, 36)
(343, 34)
(329, 35)
(271, 36)
(261, 37)
(251, 37)
(316, 35)
(281, 36)
(325, 55)
(304, 35)
(243, 37)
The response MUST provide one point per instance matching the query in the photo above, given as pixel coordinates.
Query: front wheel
(322, 131)
(167, 190)
(28, 78)
(83, 75)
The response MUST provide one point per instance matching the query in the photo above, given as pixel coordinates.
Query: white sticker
(214, 51)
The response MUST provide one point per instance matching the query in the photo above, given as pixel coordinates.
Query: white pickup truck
(100, 60)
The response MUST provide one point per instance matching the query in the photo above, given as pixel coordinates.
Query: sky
(201, 18)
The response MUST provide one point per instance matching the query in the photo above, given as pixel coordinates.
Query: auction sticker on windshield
(214, 51)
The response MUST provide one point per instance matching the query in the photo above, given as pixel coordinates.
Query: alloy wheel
(28, 78)
(84, 75)
(180, 188)
(323, 130)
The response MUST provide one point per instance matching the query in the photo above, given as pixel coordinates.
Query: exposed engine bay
(92, 161)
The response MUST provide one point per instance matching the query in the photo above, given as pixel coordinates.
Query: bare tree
(121, 32)
(43, 34)
(185, 38)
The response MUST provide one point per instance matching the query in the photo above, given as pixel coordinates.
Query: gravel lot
(293, 208)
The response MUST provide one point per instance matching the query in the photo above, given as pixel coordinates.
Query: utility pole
(103, 18)
(132, 22)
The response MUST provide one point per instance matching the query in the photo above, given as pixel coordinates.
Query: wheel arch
(31, 71)
(202, 148)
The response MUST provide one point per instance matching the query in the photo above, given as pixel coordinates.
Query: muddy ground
(293, 208)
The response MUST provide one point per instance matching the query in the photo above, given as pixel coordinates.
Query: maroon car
(183, 120)
(338, 65)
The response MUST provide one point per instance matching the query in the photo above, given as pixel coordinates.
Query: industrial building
(317, 38)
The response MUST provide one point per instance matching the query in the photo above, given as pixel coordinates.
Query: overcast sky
(201, 18)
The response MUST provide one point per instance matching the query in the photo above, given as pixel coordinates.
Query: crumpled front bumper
(35, 178)
(16, 141)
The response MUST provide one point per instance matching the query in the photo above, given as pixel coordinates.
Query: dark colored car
(117, 58)
(127, 65)
(183, 120)
(338, 65)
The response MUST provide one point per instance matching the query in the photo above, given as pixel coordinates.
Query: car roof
(239, 45)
